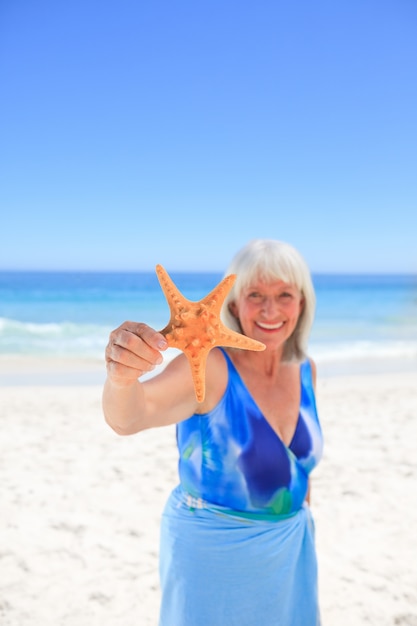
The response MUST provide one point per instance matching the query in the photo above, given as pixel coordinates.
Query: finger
(123, 374)
(150, 336)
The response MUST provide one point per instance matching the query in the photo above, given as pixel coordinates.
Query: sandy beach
(80, 506)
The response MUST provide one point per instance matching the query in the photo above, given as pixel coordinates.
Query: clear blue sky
(136, 132)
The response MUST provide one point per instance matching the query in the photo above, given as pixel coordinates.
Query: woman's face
(269, 311)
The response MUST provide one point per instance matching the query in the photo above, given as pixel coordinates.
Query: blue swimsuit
(237, 539)
(232, 457)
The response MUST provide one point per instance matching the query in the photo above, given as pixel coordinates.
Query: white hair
(270, 260)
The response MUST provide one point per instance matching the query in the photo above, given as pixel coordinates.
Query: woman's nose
(269, 305)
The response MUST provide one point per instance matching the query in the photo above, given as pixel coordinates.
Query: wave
(363, 350)
(89, 341)
(55, 339)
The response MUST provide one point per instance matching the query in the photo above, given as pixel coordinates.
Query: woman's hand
(130, 405)
(133, 350)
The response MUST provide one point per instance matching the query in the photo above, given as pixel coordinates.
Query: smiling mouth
(265, 326)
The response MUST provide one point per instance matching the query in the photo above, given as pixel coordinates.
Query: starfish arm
(214, 300)
(175, 299)
(197, 363)
(230, 339)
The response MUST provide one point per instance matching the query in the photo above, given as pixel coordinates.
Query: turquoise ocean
(359, 318)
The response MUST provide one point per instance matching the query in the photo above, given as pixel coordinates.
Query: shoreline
(24, 370)
(30, 370)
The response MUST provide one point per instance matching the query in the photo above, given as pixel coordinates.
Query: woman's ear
(233, 309)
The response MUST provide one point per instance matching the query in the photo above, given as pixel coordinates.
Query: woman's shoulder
(311, 367)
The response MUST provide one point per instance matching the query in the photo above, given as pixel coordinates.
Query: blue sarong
(220, 569)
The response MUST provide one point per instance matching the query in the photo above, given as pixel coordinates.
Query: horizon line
(205, 271)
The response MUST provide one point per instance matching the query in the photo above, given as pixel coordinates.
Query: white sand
(80, 507)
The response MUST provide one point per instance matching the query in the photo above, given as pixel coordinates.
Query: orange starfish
(195, 327)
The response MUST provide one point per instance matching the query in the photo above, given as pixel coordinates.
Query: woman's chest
(279, 403)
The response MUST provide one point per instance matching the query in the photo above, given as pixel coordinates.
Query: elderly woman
(237, 535)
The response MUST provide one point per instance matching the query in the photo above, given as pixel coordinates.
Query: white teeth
(270, 326)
